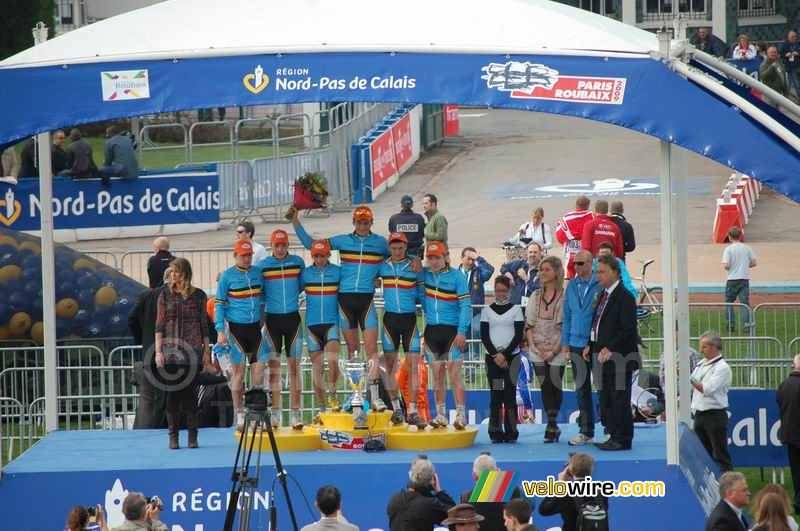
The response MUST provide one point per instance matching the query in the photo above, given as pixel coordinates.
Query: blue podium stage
(85, 468)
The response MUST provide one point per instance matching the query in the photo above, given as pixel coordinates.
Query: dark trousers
(711, 427)
(794, 465)
(181, 392)
(150, 413)
(503, 392)
(615, 404)
(737, 288)
(581, 371)
(551, 383)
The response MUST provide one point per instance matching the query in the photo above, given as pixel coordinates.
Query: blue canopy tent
(532, 55)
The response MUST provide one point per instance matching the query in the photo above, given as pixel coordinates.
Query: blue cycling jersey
(322, 290)
(281, 283)
(238, 297)
(402, 288)
(447, 299)
(360, 257)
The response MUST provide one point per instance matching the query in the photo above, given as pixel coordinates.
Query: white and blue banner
(642, 94)
(184, 198)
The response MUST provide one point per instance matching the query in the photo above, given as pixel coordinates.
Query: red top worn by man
(602, 229)
(569, 230)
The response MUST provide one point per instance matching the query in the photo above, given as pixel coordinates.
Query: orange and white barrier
(735, 205)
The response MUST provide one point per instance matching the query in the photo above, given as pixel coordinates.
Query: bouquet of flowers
(310, 191)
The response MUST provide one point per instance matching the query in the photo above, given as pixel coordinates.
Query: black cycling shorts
(357, 310)
(246, 341)
(440, 343)
(400, 329)
(284, 330)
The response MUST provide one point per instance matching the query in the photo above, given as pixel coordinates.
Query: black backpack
(592, 514)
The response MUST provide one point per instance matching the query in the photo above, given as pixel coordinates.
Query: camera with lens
(257, 400)
(91, 510)
(154, 502)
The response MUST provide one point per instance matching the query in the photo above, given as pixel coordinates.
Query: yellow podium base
(287, 439)
(431, 439)
(344, 421)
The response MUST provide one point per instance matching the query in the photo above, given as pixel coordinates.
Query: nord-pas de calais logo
(538, 81)
(256, 81)
(125, 85)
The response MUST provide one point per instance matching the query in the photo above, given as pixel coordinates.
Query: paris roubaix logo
(598, 187)
(537, 81)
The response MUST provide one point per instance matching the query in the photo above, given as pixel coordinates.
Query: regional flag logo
(494, 486)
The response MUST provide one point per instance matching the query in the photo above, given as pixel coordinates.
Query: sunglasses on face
(578, 263)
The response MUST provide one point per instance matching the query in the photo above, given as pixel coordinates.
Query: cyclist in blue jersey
(280, 273)
(361, 253)
(448, 315)
(402, 289)
(238, 304)
(321, 284)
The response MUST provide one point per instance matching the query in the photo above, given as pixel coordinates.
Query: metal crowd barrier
(780, 320)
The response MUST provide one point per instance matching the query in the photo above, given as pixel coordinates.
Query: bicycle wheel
(654, 296)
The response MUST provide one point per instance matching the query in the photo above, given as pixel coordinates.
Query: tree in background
(17, 19)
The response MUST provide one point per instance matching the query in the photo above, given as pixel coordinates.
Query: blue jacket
(447, 299)
(238, 297)
(402, 288)
(322, 290)
(520, 288)
(580, 301)
(480, 273)
(281, 283)
(360, 258)
(624, 276)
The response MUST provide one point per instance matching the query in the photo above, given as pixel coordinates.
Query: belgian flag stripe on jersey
(441, 294)
(244, 293)
(319, 289)
(398, 283)
(364, 257)
(280, 274)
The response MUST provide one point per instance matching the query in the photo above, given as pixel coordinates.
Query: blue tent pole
(48, 268)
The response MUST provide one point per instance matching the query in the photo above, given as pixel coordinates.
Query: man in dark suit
(142, 323)
(789, 405)
(614, 350)
(730, 514)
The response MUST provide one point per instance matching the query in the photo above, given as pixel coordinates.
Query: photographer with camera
(142, 513)
(576, 511)
(79, 519)
(423, 503)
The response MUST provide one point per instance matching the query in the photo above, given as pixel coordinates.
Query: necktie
(599, 312)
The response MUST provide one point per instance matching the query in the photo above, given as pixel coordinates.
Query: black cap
(407, 200)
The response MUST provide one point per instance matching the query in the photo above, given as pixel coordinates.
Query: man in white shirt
(711, 380)
(246, 231)
(737, 259)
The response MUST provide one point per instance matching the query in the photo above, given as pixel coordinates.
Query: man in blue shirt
(120, 157)
(579, 306)
(523, 274)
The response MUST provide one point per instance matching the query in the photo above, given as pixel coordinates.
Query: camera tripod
(244, 483)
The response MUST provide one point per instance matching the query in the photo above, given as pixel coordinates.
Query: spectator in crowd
(81, 164)
(524, 379)
(768, 511)
(578, 467)
(502, 327)
(8, 164)
(789, 405)
(477, 271)
(711, 380)
(29, 163)
(120, 158)
(730, 513)
(761, 49)
(737, 259)
(569, 230)
(607, 248)
(246, 231)
(182, 347)
(523, 274)
(744, 51)
(647, 396)
(625, 228)
(536, 230)
(707, 42)
(463, 517)
(159, 262)
(544, 317)
(78, 520)
(423, 503)
(790, 53)
(59, 158)
(579, 303)
(517, 514)
(601, 229)
(410, 223)
(329, 503)
(492, 512)
(614, 353)
(773, 73)
(142, 323)
(436, 228)
(141, 515)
